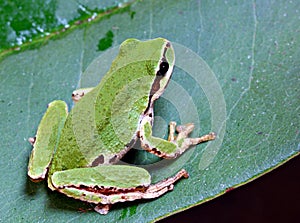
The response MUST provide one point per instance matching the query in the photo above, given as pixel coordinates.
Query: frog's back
(105, 120)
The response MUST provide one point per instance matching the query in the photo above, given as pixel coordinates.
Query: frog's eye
(163, 68)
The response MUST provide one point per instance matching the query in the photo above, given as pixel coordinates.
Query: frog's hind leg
(105, 185)
(152, 191)
(175, 145)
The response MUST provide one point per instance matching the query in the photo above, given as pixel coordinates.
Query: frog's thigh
(46, 139)
(95, 183)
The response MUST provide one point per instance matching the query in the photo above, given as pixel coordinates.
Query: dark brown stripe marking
(113, 159)
(99, 160)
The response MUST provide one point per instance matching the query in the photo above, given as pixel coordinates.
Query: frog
(78, 152)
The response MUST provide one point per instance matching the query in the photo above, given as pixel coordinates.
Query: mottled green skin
(106, 119)
(79, 149)
(110, 176)
(165, 147)
(80, 144)
(104, 123)
(47, 138)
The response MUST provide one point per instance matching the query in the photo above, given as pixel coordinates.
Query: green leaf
(250, 53)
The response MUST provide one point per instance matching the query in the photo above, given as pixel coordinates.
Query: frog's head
(155, 56)
(160, 56)
(164, 68)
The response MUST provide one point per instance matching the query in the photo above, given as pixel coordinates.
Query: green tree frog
(77, 151)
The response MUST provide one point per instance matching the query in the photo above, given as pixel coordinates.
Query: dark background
(274, 197)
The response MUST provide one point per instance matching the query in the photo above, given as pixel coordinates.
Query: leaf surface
(252, 50)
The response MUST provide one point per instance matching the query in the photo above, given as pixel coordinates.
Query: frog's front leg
(175, 145)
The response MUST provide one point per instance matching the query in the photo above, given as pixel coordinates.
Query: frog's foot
(185, 130)
(167, 183)
(175, 145)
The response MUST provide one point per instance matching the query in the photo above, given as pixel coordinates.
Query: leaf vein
(252, 61)
(201, 26)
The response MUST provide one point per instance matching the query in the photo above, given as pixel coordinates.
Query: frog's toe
(32, 140)
(186, 128)
(102, 208)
